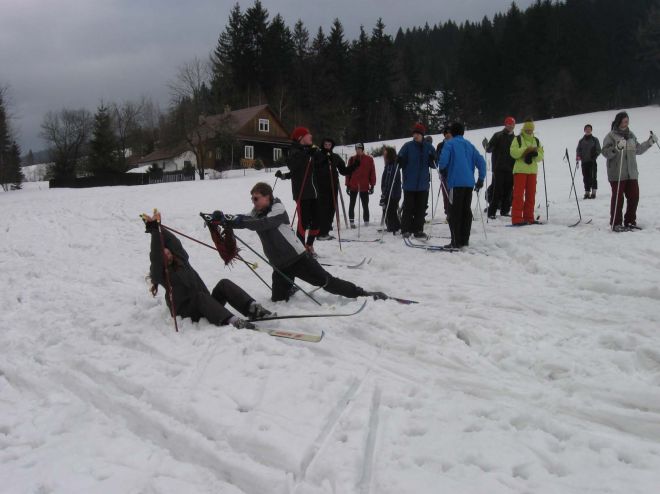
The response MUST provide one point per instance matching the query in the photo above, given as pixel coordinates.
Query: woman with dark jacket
(390, 188)
(189, 293)
(329, 165)
(621, 148)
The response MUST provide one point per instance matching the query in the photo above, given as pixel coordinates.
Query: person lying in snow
(191, 296)
(284, 249)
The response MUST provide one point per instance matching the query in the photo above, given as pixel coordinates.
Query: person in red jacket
(360, 181)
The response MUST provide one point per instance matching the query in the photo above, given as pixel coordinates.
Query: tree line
(550, 60)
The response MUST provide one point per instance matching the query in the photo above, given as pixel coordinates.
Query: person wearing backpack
(527, 152)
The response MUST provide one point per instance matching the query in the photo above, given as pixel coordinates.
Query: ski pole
(568, 160)
(170, 292)
(343, 208)
(545, 186)
(302, 188)
(251, 265)
(389, 198)
(275, 184)
(334, 202)
(482, 216)
(618, 184)
(359, 197)
(279, 271)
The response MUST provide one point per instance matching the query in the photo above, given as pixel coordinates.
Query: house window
(264, 125)
(249, 152)
(218, 154)
(277, 154)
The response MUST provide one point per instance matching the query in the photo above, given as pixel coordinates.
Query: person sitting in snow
(190, 295)
(284, 249)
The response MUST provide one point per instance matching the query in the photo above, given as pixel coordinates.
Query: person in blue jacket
(415, 158)
(457, 162)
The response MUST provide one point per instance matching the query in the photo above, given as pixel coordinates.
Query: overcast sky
(75, 53)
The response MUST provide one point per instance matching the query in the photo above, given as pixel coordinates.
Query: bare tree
(190, 80)
(126, 122)
(66, 132)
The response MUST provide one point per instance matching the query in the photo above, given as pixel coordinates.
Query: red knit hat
(509, 121)
(299, 132)
(419, 128)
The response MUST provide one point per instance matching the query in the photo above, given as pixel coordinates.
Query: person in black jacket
(499, 146)
(328, 166)
(390, 190)
(304, 185)
(443, 177)
(284, 249)
(588, 149)
(191, 296)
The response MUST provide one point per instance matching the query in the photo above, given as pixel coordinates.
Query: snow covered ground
(530, 365)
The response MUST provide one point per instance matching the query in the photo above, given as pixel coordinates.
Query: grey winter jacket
(588, 149)
(280, 243)
(613, 155)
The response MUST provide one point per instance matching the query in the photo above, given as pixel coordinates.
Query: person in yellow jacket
(528, 152)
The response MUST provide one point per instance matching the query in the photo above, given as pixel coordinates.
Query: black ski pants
(309, 214)
(502, 192)
(326, 213)
(392, 223)
(460, 215)
(308, 269)
(414, 210)
(212, 307)
(364, 199)
(589, 174)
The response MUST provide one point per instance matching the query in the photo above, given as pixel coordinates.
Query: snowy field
(530, 365)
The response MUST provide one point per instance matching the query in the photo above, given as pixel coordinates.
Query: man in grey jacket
(285, 251)
(588, 149)
(621, 148)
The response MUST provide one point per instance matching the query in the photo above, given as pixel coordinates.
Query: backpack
(520, 140)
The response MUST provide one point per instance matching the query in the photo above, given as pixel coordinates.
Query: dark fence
(121, 179)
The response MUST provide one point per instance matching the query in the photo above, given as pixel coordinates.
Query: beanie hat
(419, 129)
(528, 125)
(509, 121)
(299, 132)
(359, 145)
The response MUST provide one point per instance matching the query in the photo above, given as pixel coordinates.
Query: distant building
(258, 133)
(168, 160)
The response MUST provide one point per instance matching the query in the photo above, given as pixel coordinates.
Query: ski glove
(653, 139)
(479, 185)
(621, 144)
(348, 190)
(279, 174)
(382, 202)
(371, 190)
(530, 156)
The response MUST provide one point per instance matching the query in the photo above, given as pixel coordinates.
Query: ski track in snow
(531, 363)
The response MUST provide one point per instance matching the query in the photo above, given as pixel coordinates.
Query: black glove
(150, 226)
(279, 174)
(530, 156)
(383, 201)
(348, 190)
(371, 190)
(479, 185)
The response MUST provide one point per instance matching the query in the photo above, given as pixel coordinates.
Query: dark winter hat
(429, 139)
(617, 120)
(359, 145)
(330, 140)
(419, 128)
(457, 129)
(299, 132)
(445, 129)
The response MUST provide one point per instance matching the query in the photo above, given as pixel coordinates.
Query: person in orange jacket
(360, 181)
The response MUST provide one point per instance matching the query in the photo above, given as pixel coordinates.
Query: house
(258, 136)
(168, 160)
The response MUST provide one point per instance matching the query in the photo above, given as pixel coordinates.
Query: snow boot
(257, 311)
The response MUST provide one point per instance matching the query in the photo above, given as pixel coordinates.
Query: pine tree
(14, 173)
(4, 142)
(103, 145)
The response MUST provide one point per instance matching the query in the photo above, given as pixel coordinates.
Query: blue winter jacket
(415, 159)
(460, 158)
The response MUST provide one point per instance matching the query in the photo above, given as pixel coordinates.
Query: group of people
(515, 165)
(314, 174)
